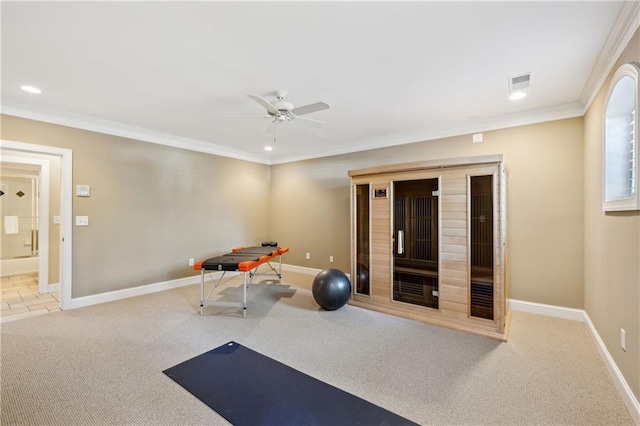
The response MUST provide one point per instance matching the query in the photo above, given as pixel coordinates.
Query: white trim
(547, 310)
(541, 115)
(300, 269)
(631, 70)
(43, 219)
(626, 25)
(110, 296)
(85, 122)
(580, 315)
(621, 384)
(66, 208)
(53, 288)
(305, 270)
(49, 115)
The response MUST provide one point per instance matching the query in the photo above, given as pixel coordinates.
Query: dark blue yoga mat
(248, 388)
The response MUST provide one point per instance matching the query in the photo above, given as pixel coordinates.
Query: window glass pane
(620, 142)
(482, 241)
(362, 239)
(620, 174)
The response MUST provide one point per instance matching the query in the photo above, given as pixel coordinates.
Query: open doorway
(60, 267)
(29, 286)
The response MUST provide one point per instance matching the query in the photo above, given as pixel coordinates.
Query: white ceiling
(393, 72)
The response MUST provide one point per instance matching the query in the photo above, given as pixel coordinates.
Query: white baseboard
(621, 384)
(304, 270)
(547, 310)
(79, 302)
(300, 269)
(53, 288)
(629, 398)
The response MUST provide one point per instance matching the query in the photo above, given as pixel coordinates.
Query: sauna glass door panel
(362, 239)
(482, 246)
(415, 242)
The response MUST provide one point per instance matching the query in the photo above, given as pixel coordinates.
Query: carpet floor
(102, 365)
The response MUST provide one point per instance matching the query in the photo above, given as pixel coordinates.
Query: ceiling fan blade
(250, 116)
(309, 119)
(307, 109)
(270, 108)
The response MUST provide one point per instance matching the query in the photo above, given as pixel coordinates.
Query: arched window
(621, 141)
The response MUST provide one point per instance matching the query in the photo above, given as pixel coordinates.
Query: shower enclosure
(19, 206)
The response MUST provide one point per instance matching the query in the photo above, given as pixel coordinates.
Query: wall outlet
(191, 262)
(623, 339)
(331, 259)
(308, 256)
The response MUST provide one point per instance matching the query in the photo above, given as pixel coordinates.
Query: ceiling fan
(281, 110)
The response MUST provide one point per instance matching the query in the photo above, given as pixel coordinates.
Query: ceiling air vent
(519, 82)
(518, 86)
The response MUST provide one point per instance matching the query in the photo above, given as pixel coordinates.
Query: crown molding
(476, 126)
(122, 130)
(78, 121)
(626, 24)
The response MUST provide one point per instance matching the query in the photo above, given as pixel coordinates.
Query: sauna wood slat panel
(454, 244)
(461, 215)
(454, 282)
(381, 250)
(461, 199)
(454, 185)
(456, 257)
(381, 238)
(380, 227)
(456, 266)
(454, 224)
(453, 207)
(380, 211)
(455, 298)
(454, 232)
(454, 290)
(454, 306)
(452, 273)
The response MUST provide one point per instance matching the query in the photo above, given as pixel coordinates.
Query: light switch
(82, 220)
(83, 191)
(56, 220)
(477, 137)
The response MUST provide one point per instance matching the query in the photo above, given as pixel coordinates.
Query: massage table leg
(244, 296)
(201, 290)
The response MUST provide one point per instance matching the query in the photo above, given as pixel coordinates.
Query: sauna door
(415, 242)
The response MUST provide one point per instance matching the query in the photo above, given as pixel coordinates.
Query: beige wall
(310, 204)
(152, 207)
(612, 248)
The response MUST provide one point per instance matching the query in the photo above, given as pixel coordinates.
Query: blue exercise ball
(331, 289)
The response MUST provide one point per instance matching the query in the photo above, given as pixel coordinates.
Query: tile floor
(19, 298)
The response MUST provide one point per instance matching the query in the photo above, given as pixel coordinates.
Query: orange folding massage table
(245, 260)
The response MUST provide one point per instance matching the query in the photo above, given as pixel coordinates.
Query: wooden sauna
(429, 242)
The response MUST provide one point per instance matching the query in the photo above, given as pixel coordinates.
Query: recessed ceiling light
(518, 94)
(268, 148)
(31, 89)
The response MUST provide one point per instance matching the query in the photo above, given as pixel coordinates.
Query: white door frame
(66, 208)
(43, 217)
